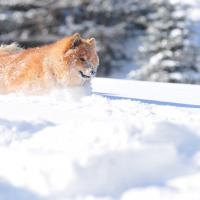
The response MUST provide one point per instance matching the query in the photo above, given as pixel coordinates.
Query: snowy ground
(63, 147)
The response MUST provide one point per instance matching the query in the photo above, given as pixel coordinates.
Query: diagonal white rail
(148, 91)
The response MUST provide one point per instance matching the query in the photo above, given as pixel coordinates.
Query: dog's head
(81, 59)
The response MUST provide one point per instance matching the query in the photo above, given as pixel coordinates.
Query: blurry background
(154, 40)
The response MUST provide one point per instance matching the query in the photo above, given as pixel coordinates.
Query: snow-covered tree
(166, 52)
(114, 23)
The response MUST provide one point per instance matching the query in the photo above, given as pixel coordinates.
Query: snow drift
(53, 147)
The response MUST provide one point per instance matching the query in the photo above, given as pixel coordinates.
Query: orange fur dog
(71, 61)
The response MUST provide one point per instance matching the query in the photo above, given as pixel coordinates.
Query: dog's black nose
(93, 72)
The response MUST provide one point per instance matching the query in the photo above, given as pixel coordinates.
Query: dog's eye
(82, 59)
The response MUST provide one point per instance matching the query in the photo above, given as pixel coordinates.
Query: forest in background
(152, 37)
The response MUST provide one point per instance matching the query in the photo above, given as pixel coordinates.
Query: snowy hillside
(102, 146)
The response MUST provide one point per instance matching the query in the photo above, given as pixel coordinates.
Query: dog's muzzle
(91, 74)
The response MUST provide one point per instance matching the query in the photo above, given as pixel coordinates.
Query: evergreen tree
(166, 52)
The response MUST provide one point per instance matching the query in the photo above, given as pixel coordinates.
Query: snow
(193, 5)
(156, 92)
(102, 145)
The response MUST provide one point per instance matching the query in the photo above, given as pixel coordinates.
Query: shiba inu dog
(71, 61)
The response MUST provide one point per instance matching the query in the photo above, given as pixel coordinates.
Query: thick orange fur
(70, 61)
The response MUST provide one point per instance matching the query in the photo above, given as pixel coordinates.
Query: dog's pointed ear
(76, 40)
(92, 41)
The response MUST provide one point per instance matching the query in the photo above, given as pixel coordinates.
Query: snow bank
(55, 148)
